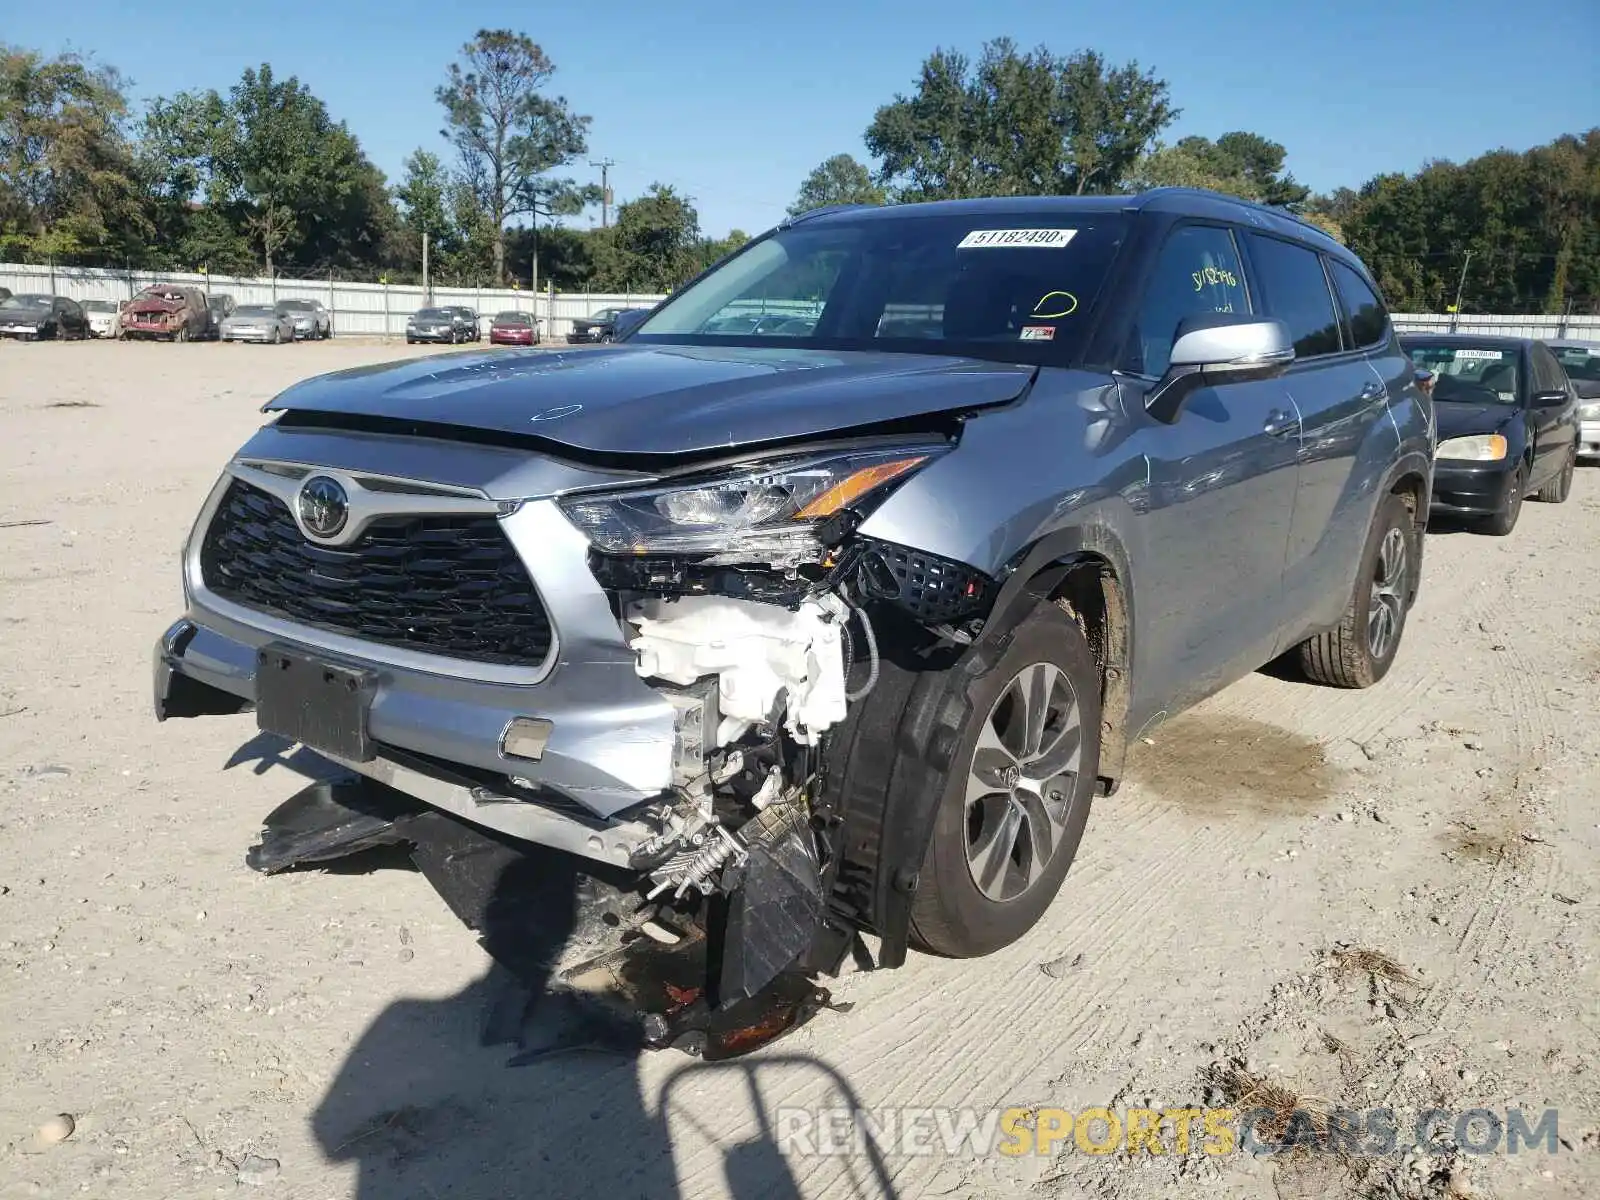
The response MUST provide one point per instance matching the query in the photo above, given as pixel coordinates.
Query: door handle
(1281, 424)
(1374, 391)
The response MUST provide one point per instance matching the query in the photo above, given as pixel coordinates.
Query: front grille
(450, 585)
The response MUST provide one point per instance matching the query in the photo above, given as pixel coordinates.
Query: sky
(733, 103)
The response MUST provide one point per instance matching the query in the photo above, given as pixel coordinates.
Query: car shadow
(266, 751)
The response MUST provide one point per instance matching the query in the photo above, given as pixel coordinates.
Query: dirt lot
(317, 1034)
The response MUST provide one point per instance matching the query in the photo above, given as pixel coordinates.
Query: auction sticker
(1043, 239)
(1038, 333)
(1469, 353)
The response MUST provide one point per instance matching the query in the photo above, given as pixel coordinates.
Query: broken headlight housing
(766, 512)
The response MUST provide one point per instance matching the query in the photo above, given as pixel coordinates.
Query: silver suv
(851, 611)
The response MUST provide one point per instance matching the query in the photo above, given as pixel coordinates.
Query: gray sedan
(257, 323)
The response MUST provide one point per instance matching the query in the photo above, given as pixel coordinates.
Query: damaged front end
(752, 602)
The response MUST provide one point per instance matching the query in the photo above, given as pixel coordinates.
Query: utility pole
(1460, 286)
(605, 165)
(427, 292)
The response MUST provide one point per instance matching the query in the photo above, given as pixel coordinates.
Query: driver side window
(1198, 272)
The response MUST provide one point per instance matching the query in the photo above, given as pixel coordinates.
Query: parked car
(467, 323)
(32, 316)
(1507, 425)
(220, 305)
(102, 316)
(513, 329)
(169, 311)
(5, 293)
(1581, 361)
(434, 325)
(309, 317)
(258, 323)
(844, 627)
(598, 326)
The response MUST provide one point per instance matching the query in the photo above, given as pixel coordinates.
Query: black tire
(1505, 518)
(182, 335)
(277, 335)
(950, 913)
(1353, 654)
(1559, 488)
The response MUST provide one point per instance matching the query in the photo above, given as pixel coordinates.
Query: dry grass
(1373, 965)
(1245, 1090)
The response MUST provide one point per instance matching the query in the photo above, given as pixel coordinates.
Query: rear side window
(1364, 313)
(1198, 272)
(1295, 291)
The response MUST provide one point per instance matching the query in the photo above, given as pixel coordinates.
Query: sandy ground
(316, 1035)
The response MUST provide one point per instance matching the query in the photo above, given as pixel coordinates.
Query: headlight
(1480, 447)
(763, 512)
(1589, 410)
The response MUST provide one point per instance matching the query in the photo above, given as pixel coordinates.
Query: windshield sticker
(1039, 239)
(1038, 333)
(1468, 353)
(1052, 306)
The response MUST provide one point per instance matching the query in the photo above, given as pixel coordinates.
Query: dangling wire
(872, 655)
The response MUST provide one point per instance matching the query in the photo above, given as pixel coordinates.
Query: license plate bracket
(319, 704)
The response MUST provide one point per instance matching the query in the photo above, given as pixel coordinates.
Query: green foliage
(838, 180)
(1017, 124)
(1239, 163)
(1530, 221)
(508, 134)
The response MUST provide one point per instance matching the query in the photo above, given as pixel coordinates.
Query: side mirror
(1215, 348)
(1554, 398)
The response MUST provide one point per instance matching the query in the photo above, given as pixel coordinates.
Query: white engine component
(756, 651)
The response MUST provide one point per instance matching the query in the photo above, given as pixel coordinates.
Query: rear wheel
(1360, 650)
(1559, 488)
(1017, 795)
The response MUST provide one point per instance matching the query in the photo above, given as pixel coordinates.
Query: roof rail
(1212, 194)
(811, 213)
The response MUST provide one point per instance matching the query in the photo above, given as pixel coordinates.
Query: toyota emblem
(323, 505)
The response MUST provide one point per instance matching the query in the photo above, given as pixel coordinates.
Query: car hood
(1461, 420)
(655, 400)
(154, 306)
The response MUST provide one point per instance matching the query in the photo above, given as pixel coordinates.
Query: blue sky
(734, 102)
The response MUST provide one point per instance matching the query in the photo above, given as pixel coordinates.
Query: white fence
(380, 310)
(361, 309)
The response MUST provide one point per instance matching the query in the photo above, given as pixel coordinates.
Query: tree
(1017, 124)
(653, 246)
(1241, 164)
(67, 176)
(508, 133)
(838, 180)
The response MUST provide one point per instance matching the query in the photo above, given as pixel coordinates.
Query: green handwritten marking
(1070, 301)
(1213, 276)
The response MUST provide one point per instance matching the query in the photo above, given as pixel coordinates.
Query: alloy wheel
(1021, 781)
(1387, 607)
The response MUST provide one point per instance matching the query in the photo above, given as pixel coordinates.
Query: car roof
(1573, 344)
(1486, 341)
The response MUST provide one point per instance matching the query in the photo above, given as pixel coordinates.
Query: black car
(32, 316)
(599, 326)
(467, 323)
(434, 325)
(1507, 425)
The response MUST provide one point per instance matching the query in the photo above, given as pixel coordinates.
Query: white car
(1581, 361)
(102, 316)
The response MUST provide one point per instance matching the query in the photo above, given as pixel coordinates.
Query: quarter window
(1363, 312)
(1295, 291)
(1198, 272)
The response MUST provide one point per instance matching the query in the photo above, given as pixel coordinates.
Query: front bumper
(247, 335)
(430, 335)
(1589, 438)
(438, 723)
(580, 337)
(1471, 489)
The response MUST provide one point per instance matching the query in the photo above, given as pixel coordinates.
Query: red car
(513, 329)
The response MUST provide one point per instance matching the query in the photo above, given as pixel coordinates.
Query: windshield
(253, 310)
(26, 301)
(434, 314)
(510, 318)
(99, 306)
(294, 306)
(1582, 363)
(1470, 374)
(1015, 287)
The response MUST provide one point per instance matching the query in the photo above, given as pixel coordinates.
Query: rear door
(1346, 435)
(1221, 489)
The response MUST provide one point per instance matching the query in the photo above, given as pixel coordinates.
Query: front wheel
(1505, 517)
(1559, 488)
(182, 335)
(1360, 650)
(1017, 795)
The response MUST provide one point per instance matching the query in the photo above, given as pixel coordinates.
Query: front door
(1220, 496)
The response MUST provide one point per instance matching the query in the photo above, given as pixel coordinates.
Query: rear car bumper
(438, 724)
(1470, 489)
(1589, 439)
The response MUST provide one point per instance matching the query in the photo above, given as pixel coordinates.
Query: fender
(902, 746)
